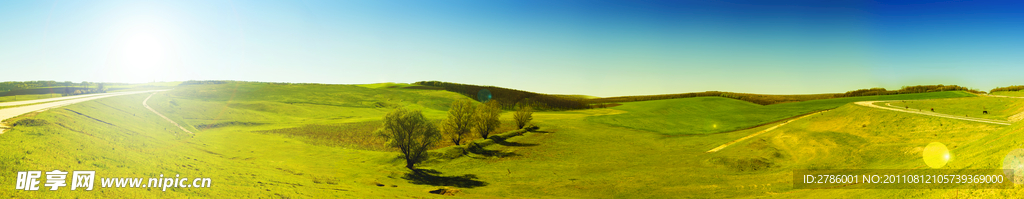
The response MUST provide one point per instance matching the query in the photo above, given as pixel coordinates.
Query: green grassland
(706, 115)
(313, 141)
(1000, 108)
(1010, 93)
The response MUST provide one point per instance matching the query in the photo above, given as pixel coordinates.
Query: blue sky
(602, 48)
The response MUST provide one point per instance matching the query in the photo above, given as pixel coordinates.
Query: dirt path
(716, 149)
(990, 121)
(162, 115)
(12, 112)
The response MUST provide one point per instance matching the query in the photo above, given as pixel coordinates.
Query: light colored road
(990, 95)
(990, 121)
(716, 149)
(162, 115)
(8, 113)
(16, 103)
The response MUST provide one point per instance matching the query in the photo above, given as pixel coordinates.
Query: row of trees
(413, 134)
(508, 99)
(464, 118)
(908, 90)
(1008, 88)
(15, 85)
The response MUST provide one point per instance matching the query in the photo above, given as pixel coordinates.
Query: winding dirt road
(162, 115)
(7, 113)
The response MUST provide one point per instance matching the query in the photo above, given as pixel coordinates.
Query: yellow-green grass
(999, 108)
(576, 158)
(572, 156)
(1010, 93)
(117, 137)
(854, 137)
(706, 115)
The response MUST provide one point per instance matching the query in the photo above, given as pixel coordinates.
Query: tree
(523, 116)
(485, 119)
(411, 133)
(459, 121)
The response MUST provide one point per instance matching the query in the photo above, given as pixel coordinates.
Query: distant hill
(509, 98)
(763, 99)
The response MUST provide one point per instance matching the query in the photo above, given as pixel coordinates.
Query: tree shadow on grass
(434, 178)
(490, 153)
(507, 143)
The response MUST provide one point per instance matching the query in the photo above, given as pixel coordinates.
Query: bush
(31, 122)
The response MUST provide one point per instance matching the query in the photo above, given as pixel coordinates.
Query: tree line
(1008, 88)
(44, 87)
(908, 90)
(508, 99)
(20, 85)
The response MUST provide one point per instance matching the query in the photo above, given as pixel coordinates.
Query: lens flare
(936, 155)
(1014, 161)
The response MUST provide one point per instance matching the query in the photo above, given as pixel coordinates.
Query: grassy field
(576, 158)
(999, 108)
(706, 115)
(119, 138)
(312, 141)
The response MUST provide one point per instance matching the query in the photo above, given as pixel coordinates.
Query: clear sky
(601, 48)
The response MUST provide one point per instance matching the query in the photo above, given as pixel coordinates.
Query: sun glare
(144, 52)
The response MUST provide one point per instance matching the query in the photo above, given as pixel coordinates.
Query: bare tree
(523, 116)
(459, 121)
(411, 133)
(485, 119)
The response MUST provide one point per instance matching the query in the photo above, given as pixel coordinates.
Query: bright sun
(144, 53)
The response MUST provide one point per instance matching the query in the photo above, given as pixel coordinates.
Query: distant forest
(1008, 88)
(43, 87)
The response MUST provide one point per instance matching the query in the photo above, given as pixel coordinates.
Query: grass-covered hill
(763, 99)
(258, 140)
(705, 115)
(509, 98)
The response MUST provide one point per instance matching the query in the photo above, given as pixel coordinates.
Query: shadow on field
(506, 143)
(434, 178)
(490, 153)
